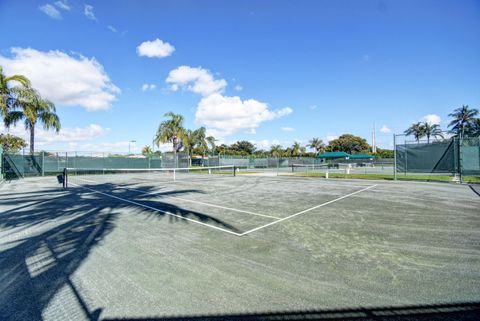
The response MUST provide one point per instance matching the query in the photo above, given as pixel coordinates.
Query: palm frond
(12, 118)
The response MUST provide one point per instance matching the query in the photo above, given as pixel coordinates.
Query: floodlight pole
(132, 141)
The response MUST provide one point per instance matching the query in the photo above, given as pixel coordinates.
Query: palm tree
(475, 129)
(6, 99)
(288, 152)
(31, 109)
(416, 130)
(432, 131)
(211, 141)
(146, 150)
(276, 150)
(463, 119)
(189, 141)
(171, 131)
(317, 144)
(296, 149)
(201, 139)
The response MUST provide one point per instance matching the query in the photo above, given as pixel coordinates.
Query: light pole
(132, 141)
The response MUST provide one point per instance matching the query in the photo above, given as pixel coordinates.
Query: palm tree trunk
(175, 162)
(32, 139)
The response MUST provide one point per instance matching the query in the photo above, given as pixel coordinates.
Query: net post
(394, 157)
(174, 178)
(234, 170)
(65, 178)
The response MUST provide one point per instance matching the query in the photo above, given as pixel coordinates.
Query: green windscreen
(470, 156)
(435, 157)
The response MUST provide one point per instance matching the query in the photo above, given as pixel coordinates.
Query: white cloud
(44, 137)
(111, 28)
(312, 107)
(331, 137)
(146, 87)
(261, 144)
(88, 12)
(225, 115)
(62, 4)
(50, 11)
(432, 119)
(385, 129)
(62, 78)
(197, 80)
(238, 88)
(288, 129)
(156, 48)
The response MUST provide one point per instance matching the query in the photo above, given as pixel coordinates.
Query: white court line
(161, 211)
(307, 210)
(193, 201)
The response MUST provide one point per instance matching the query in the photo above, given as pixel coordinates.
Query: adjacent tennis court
(143, 243)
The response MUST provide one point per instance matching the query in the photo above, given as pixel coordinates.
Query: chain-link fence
(446, 159)
(50, 163)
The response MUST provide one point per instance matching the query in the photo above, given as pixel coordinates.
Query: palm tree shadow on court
(47, 236)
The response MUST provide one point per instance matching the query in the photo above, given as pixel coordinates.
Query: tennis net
(305, 168)
(129, 176)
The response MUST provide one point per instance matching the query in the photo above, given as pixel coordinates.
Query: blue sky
(264, 71)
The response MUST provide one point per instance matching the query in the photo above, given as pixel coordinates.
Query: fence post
(460, 158)
(1, 162)
(394, 157)
(43, 163)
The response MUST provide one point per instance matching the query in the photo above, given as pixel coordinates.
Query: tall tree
(171, 131)
(6, 95)
(416, 130)
(12, 143)
(243, 147)
(348, 143)
(31, 108)
(432, 130)
(463, 120)
(317, 144)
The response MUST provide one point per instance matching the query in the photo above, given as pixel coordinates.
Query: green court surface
(233, 245)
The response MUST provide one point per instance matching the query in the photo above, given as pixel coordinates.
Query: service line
(307, 210)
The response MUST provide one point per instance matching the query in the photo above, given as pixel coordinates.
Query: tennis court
(148, 244)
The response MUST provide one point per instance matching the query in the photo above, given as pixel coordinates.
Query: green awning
(361, 156)
(334, 155)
